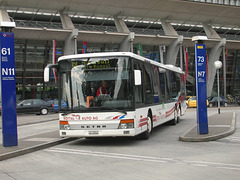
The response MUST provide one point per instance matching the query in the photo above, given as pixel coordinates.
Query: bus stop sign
(8, 90)
(201, 88)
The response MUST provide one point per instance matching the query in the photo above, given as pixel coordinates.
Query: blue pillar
(201, 88)
(8, 90)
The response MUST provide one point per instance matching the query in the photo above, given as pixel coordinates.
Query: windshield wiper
(64, 113)
(69, 111)
(115, 109)
(77, 109)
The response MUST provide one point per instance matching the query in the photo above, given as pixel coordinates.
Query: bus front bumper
(97, 133)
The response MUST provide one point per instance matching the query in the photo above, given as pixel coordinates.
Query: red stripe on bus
(143, 121)
(142, 124)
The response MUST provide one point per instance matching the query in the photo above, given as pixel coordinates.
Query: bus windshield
(96, 84)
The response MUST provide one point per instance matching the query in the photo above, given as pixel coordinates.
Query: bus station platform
(31, 144)
(220, 125)
(32, 141)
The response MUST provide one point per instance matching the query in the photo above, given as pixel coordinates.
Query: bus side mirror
(137, 77)
(46, 74)
(47, 71)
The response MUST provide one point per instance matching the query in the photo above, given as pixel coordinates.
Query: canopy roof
(173, 10)
(183, 15)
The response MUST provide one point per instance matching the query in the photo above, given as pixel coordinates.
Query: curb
(34, 148)
(213, 137)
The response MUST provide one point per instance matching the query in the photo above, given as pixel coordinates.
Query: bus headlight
(126, 124)
(64, 125)
(67, 127)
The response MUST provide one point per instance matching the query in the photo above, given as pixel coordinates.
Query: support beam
(4, 16)
(66, 21)
(162, 50)
(127, 43)
(172, 50)
(168, 29)
(24, 49)
(224, 73)
(214, 55)
(233, 82)
(70, 43)
(210, 32)
(181, 55)
(120, 25)
(5, 23)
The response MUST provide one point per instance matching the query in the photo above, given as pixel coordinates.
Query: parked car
(187, 97)
(33, 106)
(214, 102)
(192, 102)
(238, 101)
(56, 106)
(36, 106)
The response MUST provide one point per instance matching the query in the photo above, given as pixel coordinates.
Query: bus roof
(129, 54)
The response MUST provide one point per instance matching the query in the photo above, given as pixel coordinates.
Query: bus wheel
(179, 114)
(145, 135)
(175, 119)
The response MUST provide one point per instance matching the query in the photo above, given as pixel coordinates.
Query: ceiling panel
(174, 10)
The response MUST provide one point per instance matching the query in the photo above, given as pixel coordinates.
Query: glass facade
(232, 73)
(32, 57)
(232, 69)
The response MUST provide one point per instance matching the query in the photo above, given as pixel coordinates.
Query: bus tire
(179, 114)
(145, 135)
(174, 121)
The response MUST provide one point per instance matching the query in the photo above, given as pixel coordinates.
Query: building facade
(161, 39)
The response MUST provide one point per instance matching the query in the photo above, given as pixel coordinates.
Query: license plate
(93, 132)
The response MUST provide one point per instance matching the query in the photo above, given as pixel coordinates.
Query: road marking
(42, 139)
(227, 126)
(233, 139)
(146, 158)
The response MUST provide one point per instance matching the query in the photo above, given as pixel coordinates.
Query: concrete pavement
(220, 125)
(26, 119)
(31, 144)
(30, 139)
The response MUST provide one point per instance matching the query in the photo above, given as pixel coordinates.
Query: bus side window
(147, 79)
(173, 83)
(138, 90)
(156, 85)
(168, 85)
(163, 85)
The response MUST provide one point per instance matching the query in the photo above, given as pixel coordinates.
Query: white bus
(140, 94)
